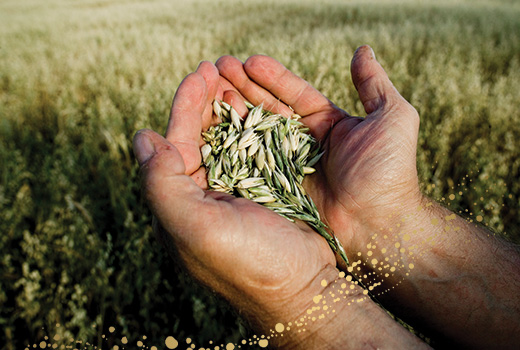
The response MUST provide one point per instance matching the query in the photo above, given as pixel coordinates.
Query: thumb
(172, 196)
(190, 221)
(371, 81)
(147, 144)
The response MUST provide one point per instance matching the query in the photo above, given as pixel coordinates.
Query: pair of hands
(266, 266)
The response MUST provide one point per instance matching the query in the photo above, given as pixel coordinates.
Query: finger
(226, 88)
(225, 85)
(285, 85)
(318, 112)
(172, 196)
(233, 70)
(371, 81)
(234, 99)
(185, 124)
(380, 98)
(211, 76)
(187, 108)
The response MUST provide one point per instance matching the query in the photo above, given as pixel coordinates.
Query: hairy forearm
(450, 276)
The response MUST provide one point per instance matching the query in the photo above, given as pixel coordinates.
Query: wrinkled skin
(369, 166)
(464, 284)
(268, 267)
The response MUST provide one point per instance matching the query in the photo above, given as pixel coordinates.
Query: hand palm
(365, 173)
(263, 264)
(228, 243)
(369, 164)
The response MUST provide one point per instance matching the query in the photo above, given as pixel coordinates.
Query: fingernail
(372, 53)
(144, 148)
(364, 49)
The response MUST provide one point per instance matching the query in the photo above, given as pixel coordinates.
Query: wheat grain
(265, 159)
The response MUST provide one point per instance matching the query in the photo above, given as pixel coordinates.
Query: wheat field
(79, 78)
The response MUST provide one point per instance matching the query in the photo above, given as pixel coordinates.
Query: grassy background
(78, 78)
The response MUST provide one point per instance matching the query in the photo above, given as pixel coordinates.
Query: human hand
(266, 266)
(368, 171)
(464, 286)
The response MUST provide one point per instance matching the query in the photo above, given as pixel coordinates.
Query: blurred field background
(79, 78)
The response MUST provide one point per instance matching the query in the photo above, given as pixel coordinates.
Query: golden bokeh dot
(279, 327)
(171, 342)
(263, 343)
(324, 283)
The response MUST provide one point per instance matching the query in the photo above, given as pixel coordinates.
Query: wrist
(309, 318)
(441, 265)
(393, 244)
(386, 225)
(340, 315)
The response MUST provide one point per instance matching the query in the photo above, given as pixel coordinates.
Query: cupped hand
(368, 171)
(266, 266)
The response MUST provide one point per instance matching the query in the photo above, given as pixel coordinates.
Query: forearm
(451, 277)
(339, 318)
